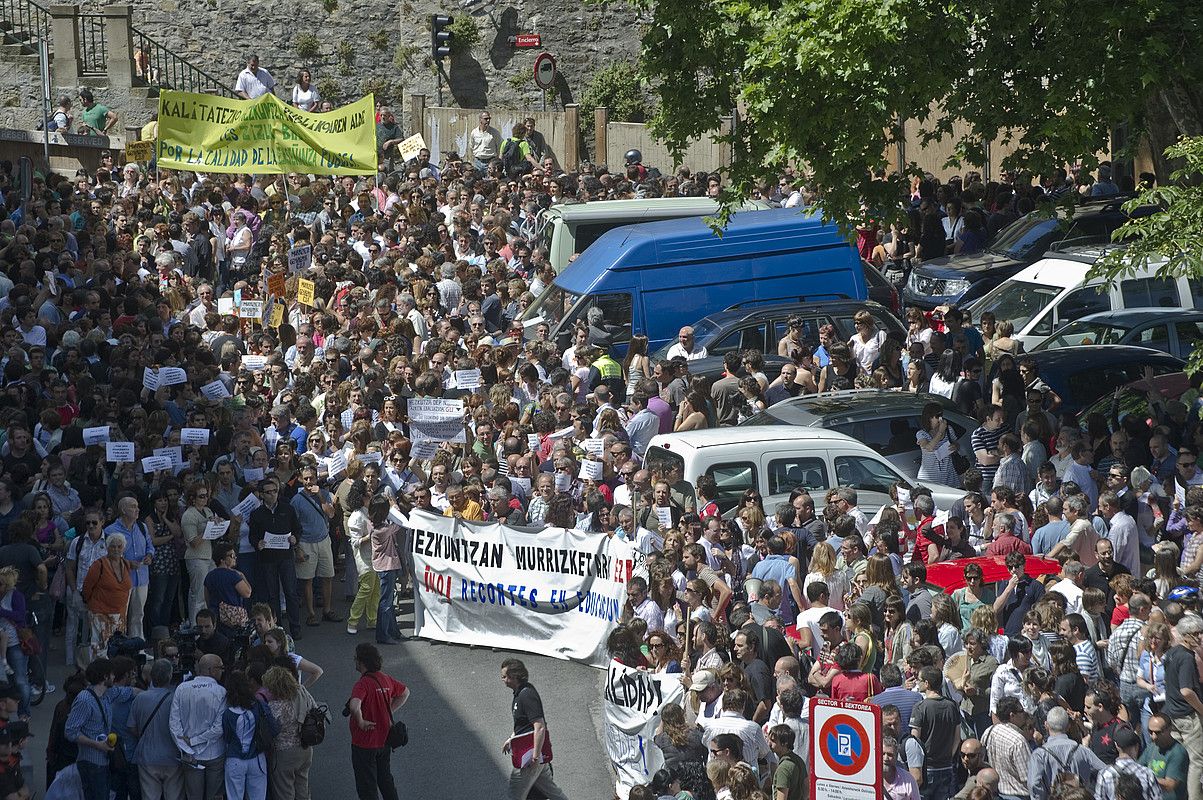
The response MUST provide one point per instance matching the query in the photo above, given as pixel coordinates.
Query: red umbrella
(950, 575)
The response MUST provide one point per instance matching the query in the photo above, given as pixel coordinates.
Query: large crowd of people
(167, 486)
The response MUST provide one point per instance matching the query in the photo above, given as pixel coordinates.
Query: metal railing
(25, 23)
(158, 66)
(93, 47)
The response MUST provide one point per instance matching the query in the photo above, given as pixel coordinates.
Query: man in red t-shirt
(374, 699)
(1005, 540)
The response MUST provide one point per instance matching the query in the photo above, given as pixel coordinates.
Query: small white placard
(119, 452)
(150, 378)
(374, 457)
(563, 481)
(215, 529)
(592, 470)
(225, 306)
(520, 483)
(97, 435)
(665, 515)
(560, 434)
(594, 447)
(198, 436)
(170, 376)
(336, 464)
(215, 390)
(156, 463)
(467, 379)
(251, 474)
(423, 448)
(248, 504)
(276, 541)
(254, 363)
(532, 441)
(174, 454)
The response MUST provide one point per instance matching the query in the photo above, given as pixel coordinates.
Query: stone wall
(216, 35)
(20, 90)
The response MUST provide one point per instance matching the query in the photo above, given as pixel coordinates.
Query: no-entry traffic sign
(845, 752)
(545, 70)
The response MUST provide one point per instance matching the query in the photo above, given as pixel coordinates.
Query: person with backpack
(248, 728)
(292, 753)
(516, 158)
(1060, 759)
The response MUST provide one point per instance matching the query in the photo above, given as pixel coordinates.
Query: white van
(568, 228)
(1055, 290)
(774, 460)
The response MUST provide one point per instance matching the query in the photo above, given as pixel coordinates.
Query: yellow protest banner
(139, 151)
(205, 133)
(305, 292)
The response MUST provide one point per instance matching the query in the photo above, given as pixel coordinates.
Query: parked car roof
(804, 409)
(1117, 364)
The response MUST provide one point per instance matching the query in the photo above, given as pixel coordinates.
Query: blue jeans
(20, 664)
(95, 778)
(938, 784)
(386, 615)
(246, 778)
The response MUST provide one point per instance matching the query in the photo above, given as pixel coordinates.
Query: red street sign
(545, 70)
(528, 40)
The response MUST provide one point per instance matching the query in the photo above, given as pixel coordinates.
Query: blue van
(654, 278)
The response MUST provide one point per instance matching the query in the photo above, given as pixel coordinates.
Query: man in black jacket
(274, 532)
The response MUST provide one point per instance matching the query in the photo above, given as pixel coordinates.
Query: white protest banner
(254, 363)
(300, 258)
(374, 457)
(440, 419)
(170, 376)
(276, 541)
(563, 481)
(215, 390)
(150, 378)
(396, 516)
(467, 379)
(199, 436)
(592, 470)
(248, 504)
(97, 435)
(551, 591)
(155, 464)
(119, 452)
(631, 708)
(215, 529)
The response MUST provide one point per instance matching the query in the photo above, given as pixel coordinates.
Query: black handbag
(398, 734)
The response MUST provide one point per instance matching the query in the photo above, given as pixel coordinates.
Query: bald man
(196, 711)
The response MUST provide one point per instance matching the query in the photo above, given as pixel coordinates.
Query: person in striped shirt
(1074, 631)
(985, 444)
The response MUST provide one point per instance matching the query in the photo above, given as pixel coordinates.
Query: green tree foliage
(1171, 240)
(824, 82)
(617, 87)
(465, 33)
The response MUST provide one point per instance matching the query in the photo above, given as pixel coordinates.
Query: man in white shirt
(1121, 530)
(732, 720)
(484, 142)
(196, 715)
(254, 82)
(686, 347)
(642, 606)
(1070, 586)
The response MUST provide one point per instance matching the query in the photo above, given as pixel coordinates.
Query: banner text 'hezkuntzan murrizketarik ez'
(204, 133)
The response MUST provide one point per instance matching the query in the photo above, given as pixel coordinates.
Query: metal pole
(544, 99)
(44, 68)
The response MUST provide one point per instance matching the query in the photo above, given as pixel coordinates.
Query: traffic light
(440, 37)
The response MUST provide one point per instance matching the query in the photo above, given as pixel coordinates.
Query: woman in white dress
(305, 95)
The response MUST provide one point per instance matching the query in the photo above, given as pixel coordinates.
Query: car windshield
(704, 332)
(551, 306)
(1017, 301)
(1079, 333)
(1032, 234)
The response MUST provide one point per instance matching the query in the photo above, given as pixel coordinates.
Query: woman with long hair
(753, 398)
(896, 636)
(290, 761)
(665, 656)
(947, 619)
(305, 95)
(246, 762)
(693, 413)
(697, 599)
(663, 591)
(840, 373)
(823, 568)
(636, 365)
(198, 557)
(1069, 683)
(973, 595)
(684, 751)
(879, 586)
(936, 448)
(1150, 676)
(860, 632)
(943, 381)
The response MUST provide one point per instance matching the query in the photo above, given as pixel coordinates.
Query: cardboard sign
(139, 151)
(305, 292)
(275, 285)
(198, 436)
(97, 435)
(225, 307)
(409, 148)
(119, 452)
(467, 379)
(251, 309)
(277, 317)
(300, 258)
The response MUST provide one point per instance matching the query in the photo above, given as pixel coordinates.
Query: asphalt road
(458, 716)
